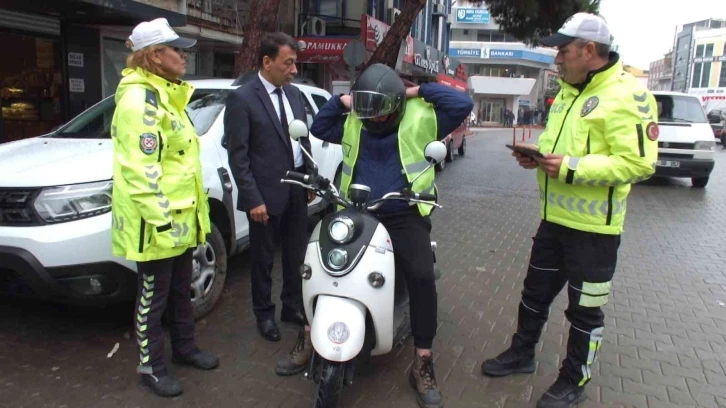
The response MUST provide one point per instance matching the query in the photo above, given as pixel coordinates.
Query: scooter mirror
(297, 129)
(435, 152)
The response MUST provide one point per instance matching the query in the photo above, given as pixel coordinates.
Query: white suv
(686, 143)
(55, 202)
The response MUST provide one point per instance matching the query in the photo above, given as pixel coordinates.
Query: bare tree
(262, 18)
(387, 51)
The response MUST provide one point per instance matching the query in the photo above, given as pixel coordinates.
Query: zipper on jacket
(557, 139)
(141, 235)
(161, 146)
(611, 191)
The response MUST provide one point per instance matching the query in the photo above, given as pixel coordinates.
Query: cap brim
(182, 42)
(557, 40)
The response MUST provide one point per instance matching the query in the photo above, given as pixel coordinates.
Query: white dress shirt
(296, 151)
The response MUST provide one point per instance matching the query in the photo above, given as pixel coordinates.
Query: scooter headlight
(341, 230)
(337, 258)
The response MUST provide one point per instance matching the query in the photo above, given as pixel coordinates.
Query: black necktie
(283, 115)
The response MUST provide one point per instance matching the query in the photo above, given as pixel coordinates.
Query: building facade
(68, 54)
(685, 50)
(708, 68)
(660, 73)
(324, 28)
(505, 75)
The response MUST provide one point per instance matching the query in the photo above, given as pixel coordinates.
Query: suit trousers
(291, 227)
(163, 284)
(585, 262)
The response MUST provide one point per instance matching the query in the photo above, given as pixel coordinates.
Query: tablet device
(525, 151)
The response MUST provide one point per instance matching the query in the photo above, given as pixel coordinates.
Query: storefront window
(114, 61)
(31, 86)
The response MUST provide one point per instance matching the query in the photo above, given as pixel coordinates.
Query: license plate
(668, 163)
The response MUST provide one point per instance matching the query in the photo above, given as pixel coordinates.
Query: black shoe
(562, 394)
(199, 359)
(509, 362)
(268, 329)
(163, 386)
(292, 316)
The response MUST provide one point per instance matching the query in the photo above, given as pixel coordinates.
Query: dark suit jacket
(258, 150)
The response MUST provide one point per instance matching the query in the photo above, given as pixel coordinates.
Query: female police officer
(160, 208)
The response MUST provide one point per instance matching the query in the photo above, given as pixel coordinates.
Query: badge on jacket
(148, 143)
(589, 106)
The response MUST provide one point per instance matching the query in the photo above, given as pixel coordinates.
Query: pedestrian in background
(160, 208)
(600, 139)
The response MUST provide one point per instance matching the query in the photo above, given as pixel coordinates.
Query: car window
(95, 123)
(309, 112)
(319, 100)
(677, 108)
(205, 106)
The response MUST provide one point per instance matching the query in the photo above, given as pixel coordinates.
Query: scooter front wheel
(330, 385)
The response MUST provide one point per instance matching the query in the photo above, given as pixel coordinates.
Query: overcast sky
(645, 29)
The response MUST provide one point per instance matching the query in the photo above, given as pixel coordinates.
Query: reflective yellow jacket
(160, 207)
(607, 133)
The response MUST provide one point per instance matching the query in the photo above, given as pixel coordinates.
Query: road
(664, 344)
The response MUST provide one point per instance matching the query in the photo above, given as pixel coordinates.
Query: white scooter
(356, 303)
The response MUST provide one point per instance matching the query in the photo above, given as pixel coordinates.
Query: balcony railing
(225, 13)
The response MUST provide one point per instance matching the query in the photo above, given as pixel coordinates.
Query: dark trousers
(584, 261)
(291, 226)
(411, 239)
(163, 284)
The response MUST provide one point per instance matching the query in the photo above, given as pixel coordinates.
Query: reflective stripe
(594, 294)
(606, 183)
(147, 293)
(543, 269)
(593, 301)
(417, 167)
(573, 162)
(594, 346)
(601, 288)
(525, 305)
(585, 207)
(347, 170)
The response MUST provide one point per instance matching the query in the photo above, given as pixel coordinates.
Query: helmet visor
(367, 104)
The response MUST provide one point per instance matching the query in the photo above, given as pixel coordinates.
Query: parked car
(717, 119)
(455, 141)
(686, 143)
(55, 203)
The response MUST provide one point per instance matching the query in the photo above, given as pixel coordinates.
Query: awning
(452, 82)
(322, 50)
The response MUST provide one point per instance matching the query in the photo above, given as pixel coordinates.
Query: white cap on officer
(156, 32)
(584, 26)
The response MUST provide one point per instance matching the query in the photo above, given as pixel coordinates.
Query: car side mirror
(435, 152)
(298, 129)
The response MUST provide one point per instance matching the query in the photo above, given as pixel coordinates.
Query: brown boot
(423, 380)
(296, 361)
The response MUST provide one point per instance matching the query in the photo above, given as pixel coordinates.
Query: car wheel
(699, 182)
(209, 271)
(440, 166)
(450, 152)
(462, 148)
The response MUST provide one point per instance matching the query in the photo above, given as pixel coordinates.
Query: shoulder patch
(589, 105)
(151, 98)
(148, 143)
(653, 131)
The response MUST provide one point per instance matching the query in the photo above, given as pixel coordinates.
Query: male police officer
(600, 139)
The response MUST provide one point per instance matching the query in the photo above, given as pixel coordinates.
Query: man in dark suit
(260, 153)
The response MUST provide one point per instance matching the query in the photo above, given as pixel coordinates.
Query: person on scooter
(378, 124)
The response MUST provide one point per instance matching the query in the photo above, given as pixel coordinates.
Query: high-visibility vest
(607, 133)
(159, 205)
(417, 129)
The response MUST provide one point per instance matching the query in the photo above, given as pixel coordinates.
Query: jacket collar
(176, 94)
(596, 77)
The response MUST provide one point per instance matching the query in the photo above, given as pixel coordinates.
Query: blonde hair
(142, 59)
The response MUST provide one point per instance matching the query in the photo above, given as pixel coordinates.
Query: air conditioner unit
(439, 9)
(313, 26)
(391, 15)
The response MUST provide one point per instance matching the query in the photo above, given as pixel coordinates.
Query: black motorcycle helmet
(379, 99)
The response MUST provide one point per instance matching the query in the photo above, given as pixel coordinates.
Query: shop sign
(75, 59)
(426, 57)
(374, 32)
(76, 85)
(452, 82)
(321, 49)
